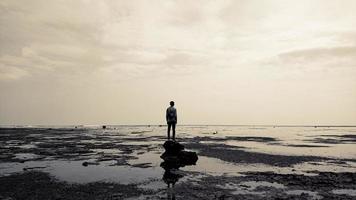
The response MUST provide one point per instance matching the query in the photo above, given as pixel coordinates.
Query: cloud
(86, 36)
(234, 48)
(313, 58)
(11, 72)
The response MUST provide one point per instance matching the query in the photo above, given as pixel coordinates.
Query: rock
(188, 157)
(104, 127)
(85, 164)
(171, 163)
(173, 147)
(175, 156)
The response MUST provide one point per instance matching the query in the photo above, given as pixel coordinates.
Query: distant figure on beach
(171, 117)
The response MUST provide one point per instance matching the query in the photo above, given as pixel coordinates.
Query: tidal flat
(123, 162)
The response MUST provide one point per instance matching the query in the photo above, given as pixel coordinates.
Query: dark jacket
(171, 115)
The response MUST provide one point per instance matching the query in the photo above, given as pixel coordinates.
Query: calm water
(288, 141)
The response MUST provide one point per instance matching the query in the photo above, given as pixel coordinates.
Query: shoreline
(100, 163)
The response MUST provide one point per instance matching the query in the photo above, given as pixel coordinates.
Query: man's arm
(176, 115)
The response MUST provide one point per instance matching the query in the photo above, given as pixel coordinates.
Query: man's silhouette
(171, 117)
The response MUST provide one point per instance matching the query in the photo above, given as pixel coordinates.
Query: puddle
(146, 157)
(28, 146)
(217, 167)
(108, 151)
(323, 150)
(213, 166)
(254, 184)
(74, 171)
(26, 156)
(237, 189)
(205, 165)
(93, 141)
(314, 195)
(349, 192)
(325, 167)
(144, 142)
(146, 171)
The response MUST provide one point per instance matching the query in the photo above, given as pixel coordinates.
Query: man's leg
(169, 130)
(174, 130)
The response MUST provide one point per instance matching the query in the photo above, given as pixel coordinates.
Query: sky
(223, 62)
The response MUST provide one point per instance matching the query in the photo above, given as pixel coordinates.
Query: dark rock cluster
(175, 157)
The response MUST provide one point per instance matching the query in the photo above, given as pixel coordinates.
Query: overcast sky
(222, 62)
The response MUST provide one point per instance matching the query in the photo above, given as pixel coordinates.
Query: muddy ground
(115, 148)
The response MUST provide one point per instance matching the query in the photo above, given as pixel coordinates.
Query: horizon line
(245, 125)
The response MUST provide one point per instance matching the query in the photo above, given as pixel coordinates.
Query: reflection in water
(56, 151)
(170, 177)
(175, 157)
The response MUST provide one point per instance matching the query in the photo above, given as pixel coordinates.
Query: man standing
(171, 117)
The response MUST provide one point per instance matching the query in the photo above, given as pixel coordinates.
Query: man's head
(171, 103)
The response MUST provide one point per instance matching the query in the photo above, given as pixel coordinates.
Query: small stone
(85, 164)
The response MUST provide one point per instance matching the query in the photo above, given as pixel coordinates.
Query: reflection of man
(171, 117)
(170, 179)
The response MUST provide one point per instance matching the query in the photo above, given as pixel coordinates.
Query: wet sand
(123, 162)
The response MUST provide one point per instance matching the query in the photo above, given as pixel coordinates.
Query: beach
(123, 162)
